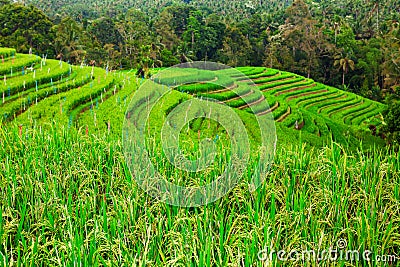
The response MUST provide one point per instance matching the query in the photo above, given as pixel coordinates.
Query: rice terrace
(143, 151)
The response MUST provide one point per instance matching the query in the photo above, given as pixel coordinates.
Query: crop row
(266, 73)
(298, 90)
(370, 117)
(281, 110)
(323, 100)
(288, 88)
(302, 101)
(11, 109)
(20, 83)
(321, 125)
(323, 106)
(349, 114)
(251, 98)
(247, 71)
(274, 78)
(242, 89)
(344, 105)
(112, 110)
(58, 106)
(181, 76)
(309, 124)
(220, 83)
(54, 86)
(290, 121)
(367, 114)
(7, 52)
(271, 86)
(15, 65)
(256, 109)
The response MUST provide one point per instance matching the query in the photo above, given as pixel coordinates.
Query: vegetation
(352, 45)
(326, 74)
(79, 204)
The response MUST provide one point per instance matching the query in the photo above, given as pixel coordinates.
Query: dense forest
(353, 45)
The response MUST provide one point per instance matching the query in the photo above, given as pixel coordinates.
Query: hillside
(352, 45)
(94, 9)
(361, 10)
(36, 91)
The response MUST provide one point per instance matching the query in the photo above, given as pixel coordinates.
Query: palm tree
(68, 40)
(336, 28)
(345, 64)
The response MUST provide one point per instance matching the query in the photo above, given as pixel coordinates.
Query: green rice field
(68, 196)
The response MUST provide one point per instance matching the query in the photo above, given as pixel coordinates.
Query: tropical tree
(136, 33)
(345, 64)
(163, 27)
(392, 120)
(235, 48)
(105, 31)
(391, 64)
(69, 43)
(271, 51)
(24, 28)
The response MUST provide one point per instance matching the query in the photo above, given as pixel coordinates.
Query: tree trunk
(343, 78)
(192, 41)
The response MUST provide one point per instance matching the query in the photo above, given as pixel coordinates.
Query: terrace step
(209, 81)
(348, 118)
(274, 81)
(309, 105)
(359, 117)
(296, 89)
(281, 86)
(335, 103)
(230, 88)
(317, 98)
(306, 94)
(252, 103)
(20, 61)
(374, 118)
(240, 97)
(344, 108)
(284, 116)
(264, 77)
(273, 108)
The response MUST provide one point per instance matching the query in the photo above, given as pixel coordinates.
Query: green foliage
(83, 192)
(105, 31)
(65, 168)
(25, 27)
(7, 52)
(177, 76)
(318, 40)
(15, 65)
(392, 121)
(51, 70)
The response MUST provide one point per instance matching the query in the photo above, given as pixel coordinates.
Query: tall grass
(67, 198)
